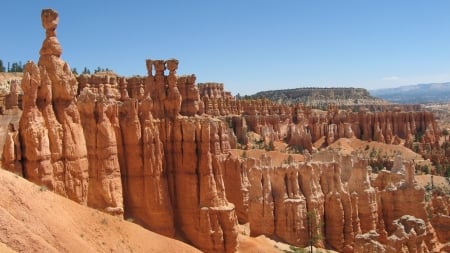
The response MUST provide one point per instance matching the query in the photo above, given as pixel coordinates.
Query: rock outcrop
(157, 149)
(300, 126)
(105, 185)
(54, 148)
(440, 215)
(12, 151)
(191, 103)
(315, 201)
(320, 97)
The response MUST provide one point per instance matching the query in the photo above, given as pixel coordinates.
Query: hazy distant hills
(415, 94)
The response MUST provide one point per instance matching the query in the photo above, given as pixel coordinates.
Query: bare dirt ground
(347, 146)
(441, 182)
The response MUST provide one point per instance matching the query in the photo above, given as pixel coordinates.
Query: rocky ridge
(321, 97)
(157, 149)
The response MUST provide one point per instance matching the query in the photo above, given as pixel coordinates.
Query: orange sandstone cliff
(157, 149)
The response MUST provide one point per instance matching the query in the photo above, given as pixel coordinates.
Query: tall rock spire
(59, 159)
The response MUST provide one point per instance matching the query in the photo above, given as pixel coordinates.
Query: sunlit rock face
(157, 150)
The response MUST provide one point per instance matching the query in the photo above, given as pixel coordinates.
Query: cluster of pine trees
(14, 67)
(88, 71)
(18, 67)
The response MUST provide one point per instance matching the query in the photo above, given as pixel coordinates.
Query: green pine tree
(2, 68)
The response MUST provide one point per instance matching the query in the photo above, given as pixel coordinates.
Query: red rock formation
(59, 159)
(284, 201)
(105, 185)
(338, 227)
(12, 98)
(291, 200)
(291, 217)
(205, 216)
(261, 202)
(366, 198)
(146, 192)
(217, 101)
(170, 166)
(190, 96)
(159, 213)
(236, 171)
(172, 104)
(400, 194)
(193, 148)
(33, 132)
(312, 125)
(409, 234)
(440, 215)
(12, 152)
(368, 243)
(298, 136)
(53, 155)
(161, 157)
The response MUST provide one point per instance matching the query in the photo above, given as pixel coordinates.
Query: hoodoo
(161, 150)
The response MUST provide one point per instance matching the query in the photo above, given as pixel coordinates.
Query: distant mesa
(318, 97)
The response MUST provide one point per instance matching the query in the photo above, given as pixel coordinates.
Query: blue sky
(247, 45)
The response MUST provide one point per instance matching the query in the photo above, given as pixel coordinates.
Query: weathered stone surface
(339, 229)
(359, 184)
(237, 186)
(217, 101)
(440, 215)
(309, 126)
(53, 141)
(368, 243)
(261, 203)
(290, 201)
(191, 102)
(12, 151)
(34, 134)
(400, 194)
(12, 98)
(409, 235)
(147, 193)
(286, 202)
(105, 185)
(193, 153)
(157, 149)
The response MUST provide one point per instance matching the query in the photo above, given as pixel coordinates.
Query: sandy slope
(33, 219)
(348, 145)
(438, 181)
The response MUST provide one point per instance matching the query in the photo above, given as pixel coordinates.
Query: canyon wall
(313, 202)
(54, 150)
(135, 156)
(333, 124)
(156, 150)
